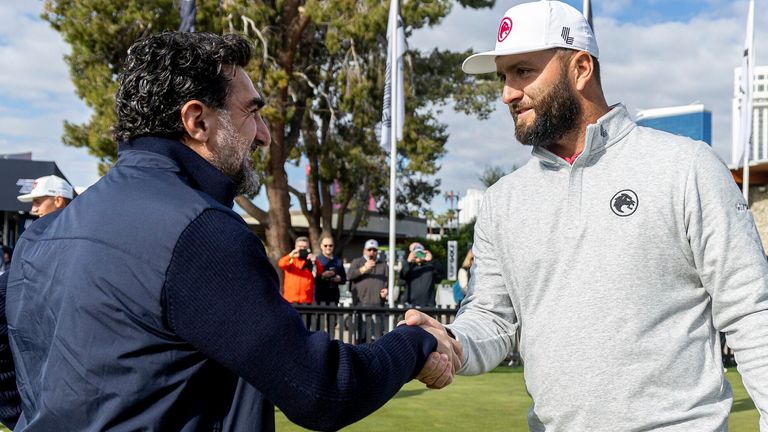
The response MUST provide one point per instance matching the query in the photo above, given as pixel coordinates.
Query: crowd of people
(618, 254)
(317, 279)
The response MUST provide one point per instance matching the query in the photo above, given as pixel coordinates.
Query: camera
(420, 254)
(303, 253)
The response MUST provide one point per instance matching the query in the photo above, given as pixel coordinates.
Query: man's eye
(502, 78)
(523, 71)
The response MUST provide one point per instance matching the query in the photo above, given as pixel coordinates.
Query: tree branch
(252, 210)
(302, 197)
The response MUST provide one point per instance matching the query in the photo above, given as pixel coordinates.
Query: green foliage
(320, 64)
(493, 173)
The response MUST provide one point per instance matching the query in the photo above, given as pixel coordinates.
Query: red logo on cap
(504, 28)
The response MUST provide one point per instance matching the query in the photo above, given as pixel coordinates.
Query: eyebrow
(256, 102)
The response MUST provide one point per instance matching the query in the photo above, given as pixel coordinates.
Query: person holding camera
(420, 273)
(327, 282)
(368, 275)
(300, 268)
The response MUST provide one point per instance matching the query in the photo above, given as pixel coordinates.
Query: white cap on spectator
(48, 186)
(371, 244)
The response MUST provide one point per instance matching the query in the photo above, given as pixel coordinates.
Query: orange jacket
(298, 283)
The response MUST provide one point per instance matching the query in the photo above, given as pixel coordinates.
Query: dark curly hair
(166, 70)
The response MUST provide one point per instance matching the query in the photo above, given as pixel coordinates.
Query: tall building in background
(692, 121)
(469, 205)
(759, 113)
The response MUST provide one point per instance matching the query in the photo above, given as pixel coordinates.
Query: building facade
(759, 115)
(469, 205)
(692, 121)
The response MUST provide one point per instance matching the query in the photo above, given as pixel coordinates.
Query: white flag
(395, 25)
(744, 145)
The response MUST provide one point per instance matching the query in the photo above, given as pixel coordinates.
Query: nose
(511, 93)
(263, 137)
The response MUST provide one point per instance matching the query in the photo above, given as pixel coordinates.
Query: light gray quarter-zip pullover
(620, 270)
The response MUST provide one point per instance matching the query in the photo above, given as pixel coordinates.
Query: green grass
(496, 401)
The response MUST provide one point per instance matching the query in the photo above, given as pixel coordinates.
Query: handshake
(441, 366)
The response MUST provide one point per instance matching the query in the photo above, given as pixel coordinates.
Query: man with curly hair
(147, 303)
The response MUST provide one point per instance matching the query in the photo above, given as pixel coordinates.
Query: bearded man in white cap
(619, 252)
(48, 194)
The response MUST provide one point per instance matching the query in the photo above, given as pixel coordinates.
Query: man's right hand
(411, 257)
(440, 368)
(369, 265)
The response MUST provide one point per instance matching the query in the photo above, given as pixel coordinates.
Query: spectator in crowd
(368, 280)
(368, 276)
(48, 194)
(420, 273)
(300, 267)
(327, 282)
(5, 262)
(620, 251)
(462, 282)
(139, 305)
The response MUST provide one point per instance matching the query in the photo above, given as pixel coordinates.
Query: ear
(59, 202)
(197, 119)
(583, 66)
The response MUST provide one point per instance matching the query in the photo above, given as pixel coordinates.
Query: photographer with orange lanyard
(300, 267)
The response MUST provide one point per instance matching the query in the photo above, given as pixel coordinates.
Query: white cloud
(36, 94)
(611, 8)
(32, 53)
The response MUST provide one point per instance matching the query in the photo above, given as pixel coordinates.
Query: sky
(653, 53)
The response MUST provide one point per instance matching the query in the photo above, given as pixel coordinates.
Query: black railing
(361, 324)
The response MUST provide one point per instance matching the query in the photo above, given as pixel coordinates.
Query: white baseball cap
(536, 26)
(371, 244)
(48, 186)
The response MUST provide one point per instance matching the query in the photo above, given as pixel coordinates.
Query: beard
(557, 113)
(233, 156)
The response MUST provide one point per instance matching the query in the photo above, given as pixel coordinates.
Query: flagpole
(393, 158)
(587, 11)
(745, 132)
(187, 11)
(745, 179)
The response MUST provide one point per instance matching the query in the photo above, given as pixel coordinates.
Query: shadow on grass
(409, 393)
(742, 405)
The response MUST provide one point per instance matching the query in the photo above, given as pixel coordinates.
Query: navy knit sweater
(222, 296)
